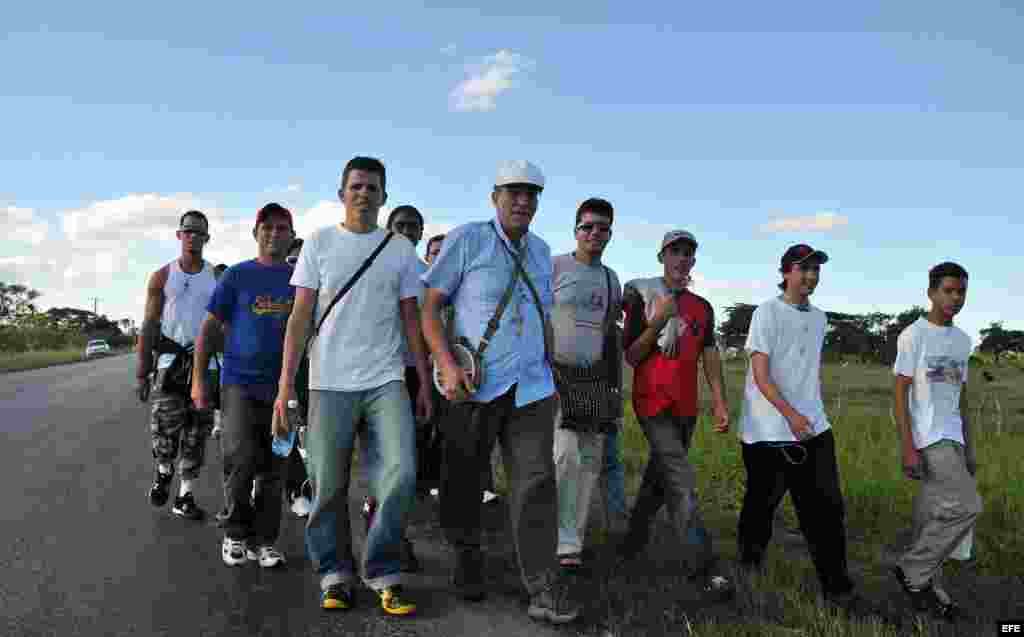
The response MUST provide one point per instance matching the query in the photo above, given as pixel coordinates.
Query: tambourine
(466, 358)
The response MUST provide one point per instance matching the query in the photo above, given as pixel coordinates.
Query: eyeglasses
(587, 228)
(193, 233)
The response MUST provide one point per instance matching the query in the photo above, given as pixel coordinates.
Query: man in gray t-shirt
(584, 290)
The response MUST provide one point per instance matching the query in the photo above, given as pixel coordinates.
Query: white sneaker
(267, 556)
(435, 493)
(232, 552)
(489, 495)
(301, 506)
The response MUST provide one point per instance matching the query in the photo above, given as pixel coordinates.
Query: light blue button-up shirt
(472, 271)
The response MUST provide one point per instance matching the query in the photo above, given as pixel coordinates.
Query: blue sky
(889, 136)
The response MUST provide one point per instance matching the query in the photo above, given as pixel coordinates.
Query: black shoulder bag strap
(348, 286)
(533, 291)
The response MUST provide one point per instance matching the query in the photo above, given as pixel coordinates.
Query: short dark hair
(194, 213)
(597, 206)
(405, 208)
(296, 244)
(368, 164)
(943, 270)
(220, 267)
(432, 240)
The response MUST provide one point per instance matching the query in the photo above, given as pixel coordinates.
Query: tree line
(23, 327)
(868, 338)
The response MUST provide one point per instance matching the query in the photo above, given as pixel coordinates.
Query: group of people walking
(491, 339)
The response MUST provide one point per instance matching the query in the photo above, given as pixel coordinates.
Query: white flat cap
(518, 171)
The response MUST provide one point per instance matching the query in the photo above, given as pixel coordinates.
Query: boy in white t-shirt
(786, 437)
(931, 366)
(356, 371)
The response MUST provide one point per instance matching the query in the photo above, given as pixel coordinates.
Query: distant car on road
(96, 347)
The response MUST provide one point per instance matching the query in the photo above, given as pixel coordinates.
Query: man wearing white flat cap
(497, 276)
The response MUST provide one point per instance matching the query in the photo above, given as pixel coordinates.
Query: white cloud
(486, 81)
(821, 222)
(21, 224)
(134, 216)
(450, 49)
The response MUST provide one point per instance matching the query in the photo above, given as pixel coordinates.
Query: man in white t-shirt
(357, 372)
(786, 437)
(931, 365)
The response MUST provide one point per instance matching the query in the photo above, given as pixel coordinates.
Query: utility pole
(95, 305)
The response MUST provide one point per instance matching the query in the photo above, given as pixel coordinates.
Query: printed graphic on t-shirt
(943, 369)
(266, 304)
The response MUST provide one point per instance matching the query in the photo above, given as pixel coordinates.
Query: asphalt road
(82, 552)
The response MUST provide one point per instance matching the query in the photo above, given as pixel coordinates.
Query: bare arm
(969, 453)
(901, 413)
(409, 310)
(433, 329)
(149, 333)
(638, 337)
(759, 365)
(295, 336)
(294, 344)
(211, 339)
(713, 373)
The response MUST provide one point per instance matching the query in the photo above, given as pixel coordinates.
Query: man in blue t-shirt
(250, 308)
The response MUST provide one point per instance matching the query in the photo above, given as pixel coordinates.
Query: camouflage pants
(175, 427)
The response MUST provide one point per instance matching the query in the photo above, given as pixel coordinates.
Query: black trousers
(246, 443)
(814, 486)
(527, 437)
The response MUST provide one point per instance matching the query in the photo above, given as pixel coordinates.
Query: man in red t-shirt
(667, 330)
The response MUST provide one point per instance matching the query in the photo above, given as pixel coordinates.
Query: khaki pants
(945, 510)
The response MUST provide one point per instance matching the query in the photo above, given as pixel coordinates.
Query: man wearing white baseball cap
(497, 276)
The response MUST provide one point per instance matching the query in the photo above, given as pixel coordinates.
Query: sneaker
(185, 507)
(570, 560)
(719, 588)
(369, 509)
(300, 505)
(409, 563)
(266, 555)
(927, 598)
(490, 496)
(337, 597)
(394, 602)
(161, 488)
(232, 552)
(553, 605)
(468, 579)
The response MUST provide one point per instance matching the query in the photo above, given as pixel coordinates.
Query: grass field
(878, 499)
(35, 360)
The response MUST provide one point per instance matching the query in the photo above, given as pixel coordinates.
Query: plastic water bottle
(965, 548)
(282, 447)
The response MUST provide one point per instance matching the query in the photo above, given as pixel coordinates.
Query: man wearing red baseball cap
(253, 298)
(786, 437)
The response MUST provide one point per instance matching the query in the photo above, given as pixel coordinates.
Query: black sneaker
(553, 605)
(468, 579)
(185, 506)
(161, 488)
(927, 599)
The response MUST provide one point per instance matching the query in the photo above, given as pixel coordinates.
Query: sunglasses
(587, 228)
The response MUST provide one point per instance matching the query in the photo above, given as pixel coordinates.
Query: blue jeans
(391, 468)
(616, 475)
